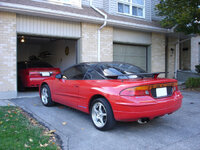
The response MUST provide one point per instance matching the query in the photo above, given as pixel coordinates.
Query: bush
(197, 68)
(192, 83)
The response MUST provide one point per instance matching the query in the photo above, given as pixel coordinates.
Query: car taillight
(145, 90)
(135, 91)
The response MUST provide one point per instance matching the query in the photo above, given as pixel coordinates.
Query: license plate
(161, 92)
(45, 74)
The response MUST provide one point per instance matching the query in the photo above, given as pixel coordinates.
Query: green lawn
(18, 131)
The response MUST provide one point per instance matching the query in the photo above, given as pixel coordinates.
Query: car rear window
(117, 70)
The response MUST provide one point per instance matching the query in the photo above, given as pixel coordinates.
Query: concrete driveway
(179, 131)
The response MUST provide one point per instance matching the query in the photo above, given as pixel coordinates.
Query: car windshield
(38, 64)
(118, 70)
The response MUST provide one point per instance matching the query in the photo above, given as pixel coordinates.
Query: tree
(182, 14)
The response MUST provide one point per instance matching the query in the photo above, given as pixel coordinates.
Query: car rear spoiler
(142, 75)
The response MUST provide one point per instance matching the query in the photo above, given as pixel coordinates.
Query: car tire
(102, 115)
(46, 95)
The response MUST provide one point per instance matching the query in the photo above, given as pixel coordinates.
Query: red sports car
(112, 91)
(32, 73)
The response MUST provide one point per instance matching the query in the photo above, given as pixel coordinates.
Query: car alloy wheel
(102, 114)
(44, 95)
(99, 115)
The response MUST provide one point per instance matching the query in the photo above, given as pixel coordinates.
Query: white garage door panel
(47, 27)
(135, 55)
(130, 36)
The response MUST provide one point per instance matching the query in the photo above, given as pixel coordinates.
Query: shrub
(197, 68)
(192, 83)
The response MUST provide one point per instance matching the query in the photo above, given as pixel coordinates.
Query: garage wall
(47, 27)
(25, 50)
(8, 55)
(59, 58)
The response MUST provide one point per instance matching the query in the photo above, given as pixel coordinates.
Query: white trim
(46, 11)
(124, 14)
(23, 9)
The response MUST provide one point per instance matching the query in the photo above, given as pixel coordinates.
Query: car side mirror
(59, 76)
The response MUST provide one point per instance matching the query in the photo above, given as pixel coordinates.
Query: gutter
(99, 30)
(45, 12)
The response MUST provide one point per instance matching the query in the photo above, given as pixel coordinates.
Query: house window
(131, 7)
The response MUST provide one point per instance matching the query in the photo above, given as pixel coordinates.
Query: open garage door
(51, 41)
(136, 55)
(41, 57)
(59, 52)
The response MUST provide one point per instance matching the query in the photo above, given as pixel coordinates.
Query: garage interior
(59, 52)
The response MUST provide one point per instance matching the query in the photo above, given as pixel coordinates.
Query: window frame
(131, 4)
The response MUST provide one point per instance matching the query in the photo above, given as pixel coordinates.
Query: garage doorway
(58, 52)
(133, 54)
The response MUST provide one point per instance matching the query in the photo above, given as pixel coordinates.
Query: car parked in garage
(32, 73)
(112, 91)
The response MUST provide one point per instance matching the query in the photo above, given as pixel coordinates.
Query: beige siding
(7, 53)
(47, 27)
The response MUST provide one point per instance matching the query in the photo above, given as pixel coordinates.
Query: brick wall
(90, 43)
(107, 44)
(158, 53)
(7, 52)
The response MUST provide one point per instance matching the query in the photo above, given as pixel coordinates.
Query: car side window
(92, 75)
(75, 72)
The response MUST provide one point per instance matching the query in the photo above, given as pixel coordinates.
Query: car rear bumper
(149, 108)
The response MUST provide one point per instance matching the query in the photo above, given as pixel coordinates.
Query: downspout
(99, 30)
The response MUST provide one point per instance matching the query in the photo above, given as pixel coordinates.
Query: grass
(20, 132)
